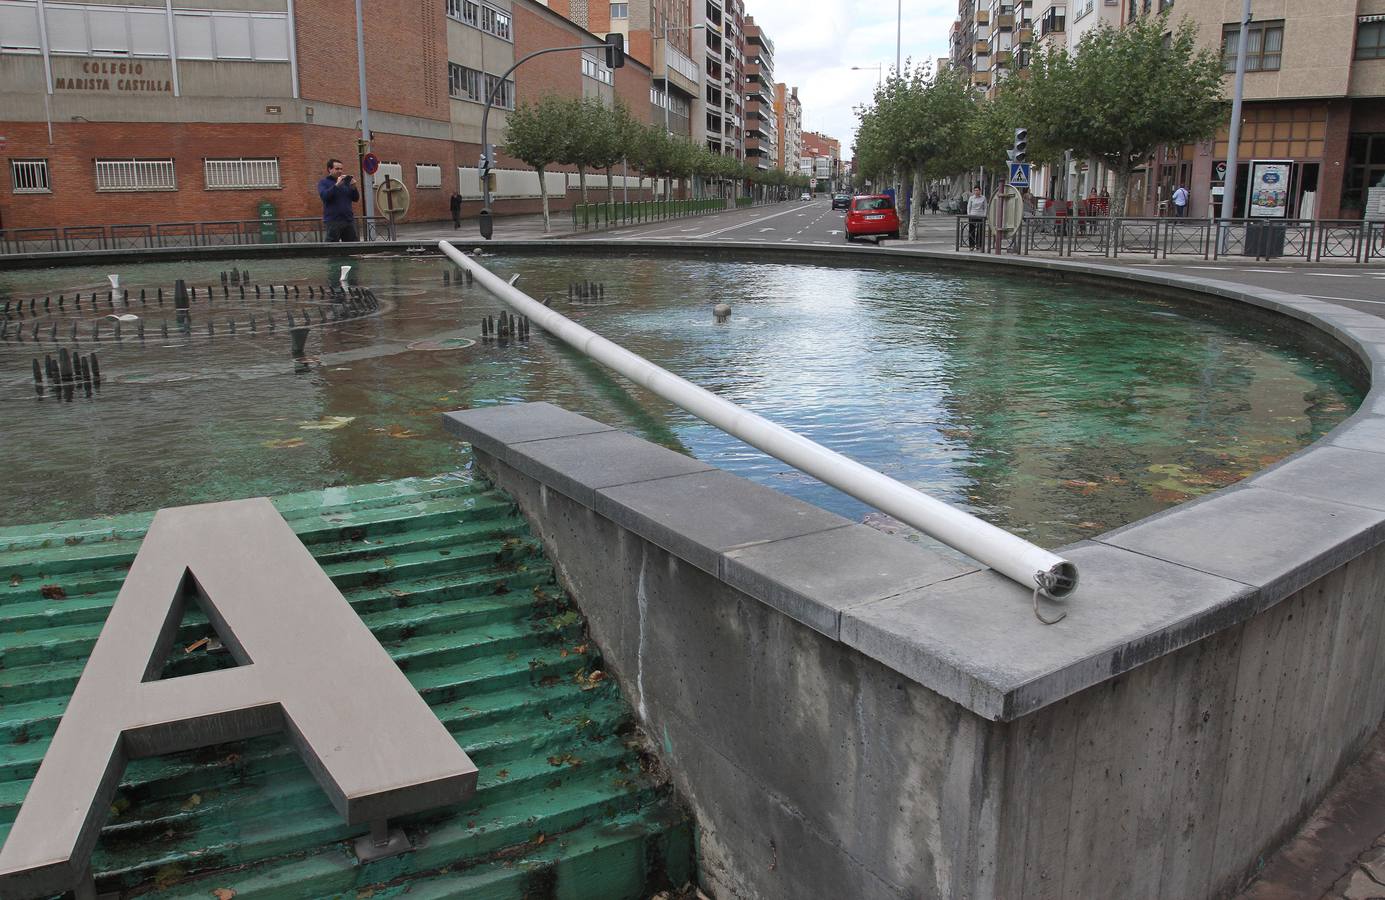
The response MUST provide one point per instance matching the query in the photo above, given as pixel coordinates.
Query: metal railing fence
(1306, 239)
(605, 215)
(238, 232)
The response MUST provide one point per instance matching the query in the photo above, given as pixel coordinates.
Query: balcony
(1005, 21)
(981, 48)
(983, 17)
(1024, 35)
(981, 78)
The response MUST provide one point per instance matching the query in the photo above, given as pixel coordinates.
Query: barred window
(30, 176)
(241, 174)
(594, 68)
(464, 83)
(135, 175)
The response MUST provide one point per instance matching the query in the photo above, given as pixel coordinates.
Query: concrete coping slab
(1148, 588)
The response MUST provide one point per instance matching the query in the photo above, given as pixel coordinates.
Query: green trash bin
(269, 222)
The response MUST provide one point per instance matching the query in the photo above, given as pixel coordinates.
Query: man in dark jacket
(338, 192)
(456, 205)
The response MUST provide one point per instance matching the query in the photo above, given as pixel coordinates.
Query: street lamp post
(1228, 197)
(898, 35)
(879, 72)
(368, 181)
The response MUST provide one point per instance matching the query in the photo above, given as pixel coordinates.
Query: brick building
(149, 112)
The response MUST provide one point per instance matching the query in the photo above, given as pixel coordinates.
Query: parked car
(806, 196)
(841, 201)
(871, 214)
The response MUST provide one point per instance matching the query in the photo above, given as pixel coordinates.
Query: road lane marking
(742, 224)
(1343, 299)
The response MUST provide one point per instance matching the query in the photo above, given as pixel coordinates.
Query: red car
(871, 214)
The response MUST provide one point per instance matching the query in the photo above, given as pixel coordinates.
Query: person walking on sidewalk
(976, 218)
(1180, 202)
(338, 192)
(456, 205)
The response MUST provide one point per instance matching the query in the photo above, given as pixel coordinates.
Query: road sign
(1019, 175)
(370, 163)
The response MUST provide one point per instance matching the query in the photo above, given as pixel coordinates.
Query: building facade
(1314, 85)
(760, 126)
(1314, 98)
(158, 113)
(789, 113)
(821, 160)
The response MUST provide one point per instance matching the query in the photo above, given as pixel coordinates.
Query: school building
(156, 111)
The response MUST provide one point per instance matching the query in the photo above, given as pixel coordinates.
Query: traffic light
(1021, 153)
(615, 50)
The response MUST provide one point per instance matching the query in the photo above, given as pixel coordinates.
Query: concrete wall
(779, 658)
(853, 715)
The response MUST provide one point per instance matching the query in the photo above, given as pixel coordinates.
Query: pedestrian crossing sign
(1019, 175)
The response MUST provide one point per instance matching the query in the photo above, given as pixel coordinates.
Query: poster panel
(1268, 197)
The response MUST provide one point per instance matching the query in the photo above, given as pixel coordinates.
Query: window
(19, 28)
(143, 31)
(620, 10)
(428, 175)
(464, 83)
(467, 11)
(495, 22)
(135, 175)
(30, 176)
(594, 68)
(1370, 38)
(505, 96)
(240, 174)
(1264, 43)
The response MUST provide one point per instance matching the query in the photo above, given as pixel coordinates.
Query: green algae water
(1054, 411)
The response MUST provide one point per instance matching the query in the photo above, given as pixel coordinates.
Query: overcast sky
(816, 42)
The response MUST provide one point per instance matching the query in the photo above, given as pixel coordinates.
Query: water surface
(1054, 411)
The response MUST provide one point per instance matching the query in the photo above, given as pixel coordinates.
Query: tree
(1126, 92)
(534, 133)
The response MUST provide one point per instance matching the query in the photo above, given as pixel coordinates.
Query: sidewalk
(530, 227)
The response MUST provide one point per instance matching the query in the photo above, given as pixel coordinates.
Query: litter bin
(269, 222)
(1264, 240)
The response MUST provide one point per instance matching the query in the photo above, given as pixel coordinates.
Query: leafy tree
(534, 133)
(1124, 93)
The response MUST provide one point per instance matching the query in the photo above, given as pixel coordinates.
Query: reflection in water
(1053, 411)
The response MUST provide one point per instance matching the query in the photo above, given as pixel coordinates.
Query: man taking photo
(338, 193)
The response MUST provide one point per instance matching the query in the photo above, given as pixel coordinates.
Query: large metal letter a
(308, 666)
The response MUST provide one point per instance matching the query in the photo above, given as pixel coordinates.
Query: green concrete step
(449, 579)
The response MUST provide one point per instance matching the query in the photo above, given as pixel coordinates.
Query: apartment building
(761, 129)
(719, 45)
(156, 112)
(789, 112)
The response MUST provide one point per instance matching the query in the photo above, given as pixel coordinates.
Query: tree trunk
(582, 181)
(543, 192)
(916, 207)
(610, 187)
(1118, 202)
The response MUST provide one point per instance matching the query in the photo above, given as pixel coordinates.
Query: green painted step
(447, 576)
